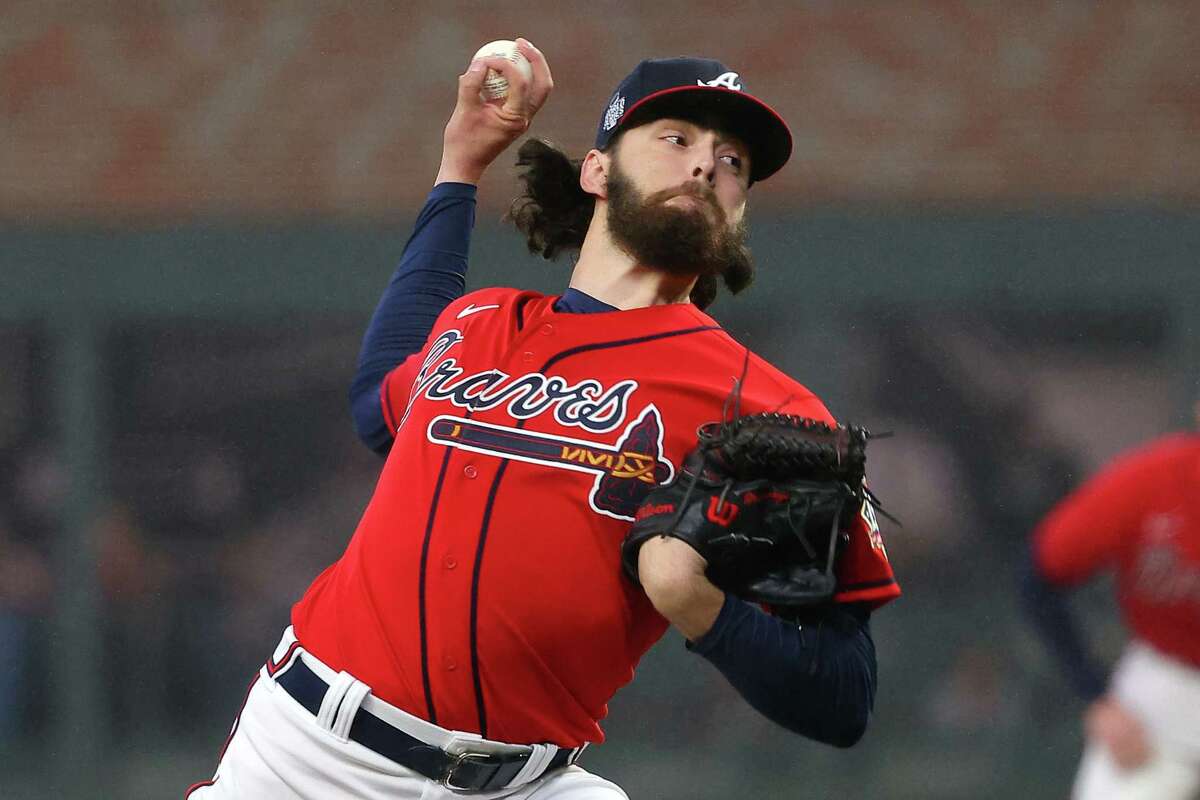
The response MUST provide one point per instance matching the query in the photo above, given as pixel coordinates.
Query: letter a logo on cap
(729, 80)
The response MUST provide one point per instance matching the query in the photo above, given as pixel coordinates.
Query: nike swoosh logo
(471, 309)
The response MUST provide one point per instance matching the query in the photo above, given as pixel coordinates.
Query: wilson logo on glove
(655, 510)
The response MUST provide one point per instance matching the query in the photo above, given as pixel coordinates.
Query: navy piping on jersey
(855, 587)
(476, 569)
(421, 606)
(583, 348)
(487, 514)
(521, 312)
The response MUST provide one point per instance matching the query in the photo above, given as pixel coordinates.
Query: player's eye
(675, 138)
(734, 161)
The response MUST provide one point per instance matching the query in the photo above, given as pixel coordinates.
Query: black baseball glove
(766, 499)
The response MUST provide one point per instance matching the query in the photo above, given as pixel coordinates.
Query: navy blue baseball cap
(664, 87)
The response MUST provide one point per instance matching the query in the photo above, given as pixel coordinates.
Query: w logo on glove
(721, 513)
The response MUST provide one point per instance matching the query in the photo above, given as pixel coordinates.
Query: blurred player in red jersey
(471, 635)
(1140, 516)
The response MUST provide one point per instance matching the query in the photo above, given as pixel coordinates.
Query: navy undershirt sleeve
(1048, 607)
(431, 275)
(817, 679)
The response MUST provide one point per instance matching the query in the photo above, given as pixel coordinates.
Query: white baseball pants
(278, 749)
(1165, 695)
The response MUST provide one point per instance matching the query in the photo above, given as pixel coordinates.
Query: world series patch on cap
(659, 86)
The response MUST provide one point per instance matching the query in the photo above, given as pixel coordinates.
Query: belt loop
(351, 701)
(332, 702)
(539, 759)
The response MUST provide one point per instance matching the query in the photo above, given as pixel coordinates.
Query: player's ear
(593, 174)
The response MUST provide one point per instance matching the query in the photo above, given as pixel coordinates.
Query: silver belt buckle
(460, 759)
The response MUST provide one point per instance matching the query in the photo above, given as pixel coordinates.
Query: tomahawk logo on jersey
(525, 440)
(624, 471)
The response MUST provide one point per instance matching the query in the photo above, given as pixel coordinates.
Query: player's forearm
(672, 575)
(691, 610)
(431, 274)
(817, 680)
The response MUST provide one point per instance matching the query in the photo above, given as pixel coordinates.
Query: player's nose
(704, 158)
(704, 165)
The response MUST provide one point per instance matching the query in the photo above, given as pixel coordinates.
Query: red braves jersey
(1140, 515)
(483, 589)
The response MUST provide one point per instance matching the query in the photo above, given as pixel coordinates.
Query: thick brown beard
(677, 241)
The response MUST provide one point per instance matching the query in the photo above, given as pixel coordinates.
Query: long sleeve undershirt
(431, 275)
(817, 679)
(1048, 606)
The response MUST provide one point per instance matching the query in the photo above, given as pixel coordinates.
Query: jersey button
(547, 329)
(527, 357)
(450, 665)
(449, 563)
(470, 471)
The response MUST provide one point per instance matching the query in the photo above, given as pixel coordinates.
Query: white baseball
(495, 85)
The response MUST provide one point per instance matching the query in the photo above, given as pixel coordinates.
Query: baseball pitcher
(566, 476)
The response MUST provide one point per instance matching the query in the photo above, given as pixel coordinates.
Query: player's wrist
(454, 170)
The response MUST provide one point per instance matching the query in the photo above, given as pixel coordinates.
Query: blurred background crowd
(985, 242)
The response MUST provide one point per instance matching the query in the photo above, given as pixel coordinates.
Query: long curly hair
(554, 212)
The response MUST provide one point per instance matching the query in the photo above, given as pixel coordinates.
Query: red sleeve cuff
(876, 593)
